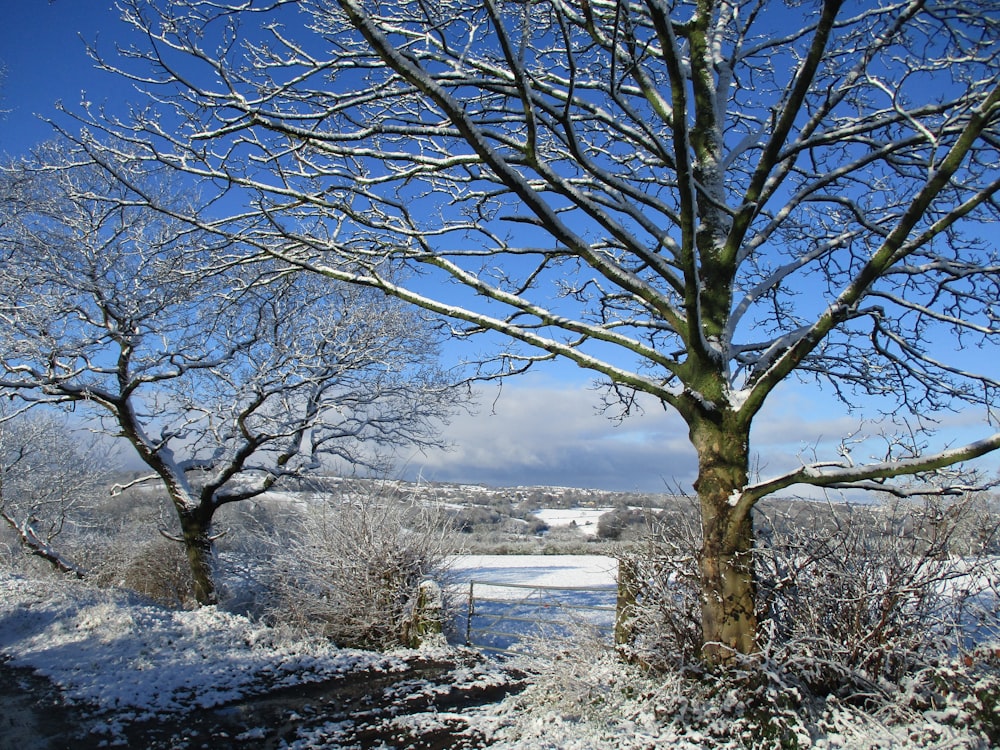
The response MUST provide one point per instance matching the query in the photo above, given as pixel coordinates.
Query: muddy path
(420, 708)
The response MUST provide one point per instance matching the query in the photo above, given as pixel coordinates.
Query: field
(517, 599)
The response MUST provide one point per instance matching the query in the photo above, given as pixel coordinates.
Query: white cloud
(538, 432)
(551, 434)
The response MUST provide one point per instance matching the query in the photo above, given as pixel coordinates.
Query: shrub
(622, 523)
(612, 524)
(661, 627)
(351, 569)
(856, 596)
(880, 594)
(584, 697)
(160, 571)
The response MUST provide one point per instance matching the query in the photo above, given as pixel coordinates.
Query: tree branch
(870, 477)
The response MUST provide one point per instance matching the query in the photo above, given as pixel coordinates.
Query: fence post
(468, 619)
(628, 594)
(426, 623)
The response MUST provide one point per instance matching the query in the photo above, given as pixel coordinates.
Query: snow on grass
(109, 650)
(535, 570)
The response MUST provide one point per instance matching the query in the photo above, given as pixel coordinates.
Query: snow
(535, 570)
(518, 596)
(584, 519)
(123, 659)
(110, 650)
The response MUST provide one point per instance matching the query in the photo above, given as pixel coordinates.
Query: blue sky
(539, 429)
(44, 60)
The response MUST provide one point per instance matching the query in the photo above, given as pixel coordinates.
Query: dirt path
(33, 715)
(417, 709)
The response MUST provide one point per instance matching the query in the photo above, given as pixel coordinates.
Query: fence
(503, 616)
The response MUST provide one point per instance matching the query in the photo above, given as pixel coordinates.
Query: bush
(622, 523)
(160, 571)
(612, 524)
(858, 596)
(661, 627)
(881, 594)
(470, 519)
(351, 569)
(585, 697)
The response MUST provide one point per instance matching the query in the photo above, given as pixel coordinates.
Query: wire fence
(510, 618)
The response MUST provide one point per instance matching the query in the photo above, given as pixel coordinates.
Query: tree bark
(728, 584)
(196, 527)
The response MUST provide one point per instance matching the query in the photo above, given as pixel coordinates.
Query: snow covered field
(536, 570)
(583, 519)
(518, 598)
(125, 664)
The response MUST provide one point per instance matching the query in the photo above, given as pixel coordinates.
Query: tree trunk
(196, 527)
(728, 587)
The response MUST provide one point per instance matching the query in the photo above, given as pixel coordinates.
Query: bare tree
(49, 477)
(223, 383)
(696, 201)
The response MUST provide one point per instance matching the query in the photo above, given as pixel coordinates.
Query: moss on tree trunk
(196, 527)
(728, 587)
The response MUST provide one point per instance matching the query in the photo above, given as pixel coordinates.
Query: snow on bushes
(592, 701)
(351, 570)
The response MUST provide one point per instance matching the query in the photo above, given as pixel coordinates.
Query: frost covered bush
(871, 593)
(878, 627)
(350, 569)
(588, 700)
(160, 571)
(660, 623)
(877, 591)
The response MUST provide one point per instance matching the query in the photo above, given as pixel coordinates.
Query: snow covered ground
(583, 519)
(110, 650)
(518, 598)
(536, 570)
(123, 662)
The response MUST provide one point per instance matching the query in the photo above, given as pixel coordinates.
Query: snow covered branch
(872, 477)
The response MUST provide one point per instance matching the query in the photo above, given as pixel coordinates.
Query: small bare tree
(352, 566)
(224, 383)
(48, 478)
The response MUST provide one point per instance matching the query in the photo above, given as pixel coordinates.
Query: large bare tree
(223, 383)
(695, 200)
